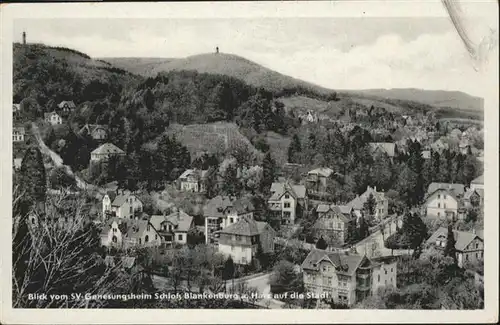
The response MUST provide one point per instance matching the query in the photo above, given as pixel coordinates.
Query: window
(477, 255)
(439, 196)
(477, 245)
(392, 269)
(445, 205)
(179, 236)
(130, 209)
(156, 236)
(324, 268)
(139, 240)
(378, 278)
(149, 228)
(330, 281)
(481, 254)
(231, 220)
(439, 214)
(287, 204)
(385, 271)
(386, 282)
(238, 237)
(444, 196)
(287, 196)
(466, 257)
(244, 260)
(339, 225)
(114, 239)
(232, 248)
(439, 205)
(114, 229)
(146, 239)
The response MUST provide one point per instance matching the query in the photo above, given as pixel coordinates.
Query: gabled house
(174, 227)
(66, 106)
(105, 151)
(193, 180)
(287, 201)
(317, 179)
(387, 148)
(241, 239)
(469, 246)
(53, 118)
(95, 131)
(223, 211)
(333, 223)
(18, 134)
(473, 197)
(122, 205)
(444, 200)
(123, 234)
(381, 208)
(346, 278)
(477, 183)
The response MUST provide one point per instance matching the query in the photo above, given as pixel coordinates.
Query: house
(317, 179)
(16, 108)
(105, 151)
(96, 131)
(287, 201)
(122, 234)
(223, 211)
(66, 106)
(18, 134)
(381, 208)
(53, 118)
(17, 163)
(346, 278)
(477, 183)
(387, 148)
(443, 200)
(426, 154)
(193, 180)
(174, 227)
(333, 223)
(473, 197)
(464, 147)
(241, 239)
(469, 246)
(122, 205)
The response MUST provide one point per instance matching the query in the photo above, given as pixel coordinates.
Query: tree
(32, 177)
(284, 278)
(363, 230)
(211, 182)
(370, 204)
(59, 179)
(228, 271)
(268, 172)
(321, 244)
(252, 178)
(294, 149)
(449, 249)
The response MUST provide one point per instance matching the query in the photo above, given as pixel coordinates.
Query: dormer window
(287, 196)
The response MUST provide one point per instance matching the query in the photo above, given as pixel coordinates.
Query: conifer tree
(33, 182)
(449, 249)
(268, 172)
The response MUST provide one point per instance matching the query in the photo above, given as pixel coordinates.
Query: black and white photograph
(271, 162)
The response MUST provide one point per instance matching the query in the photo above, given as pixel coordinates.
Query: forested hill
(229, 65)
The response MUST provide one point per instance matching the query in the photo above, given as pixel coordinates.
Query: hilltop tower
(24, 38)
(216, 50)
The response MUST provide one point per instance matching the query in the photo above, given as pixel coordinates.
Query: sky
(334, 52)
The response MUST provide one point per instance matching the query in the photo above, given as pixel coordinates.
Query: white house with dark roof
(105, 151)
(444, 201)
(469, 246)
(241, 239)
(53, 118)
(381, 203)
(193, 180)
(18, 134)
(333, 223)
(122, 234)
(223, 211)
(174, 227)
(121, 205)
(346, 278)
(286, 200)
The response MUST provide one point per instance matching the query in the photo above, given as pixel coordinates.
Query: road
(57, 160)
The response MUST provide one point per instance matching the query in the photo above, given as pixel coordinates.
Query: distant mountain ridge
(438, 98)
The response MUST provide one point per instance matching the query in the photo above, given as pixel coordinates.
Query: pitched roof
(279, 188)
(197, 172)
(19, 129)
(344, 264)
(462, 238)
(323, 171)
(216, 206)
(373, 190)
(112, 195)
(129, 228)
(120, 199)
(323, 208)
(245, 227)
(70, 103)
(478, 180)
(388, 147)
(356, 203)
(50, 114)
(93, 127)
(182, 220)
(470, 192)
(108, 148)
(456, 189)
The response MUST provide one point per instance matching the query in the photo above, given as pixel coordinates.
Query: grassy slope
(226, 64)
(211, 138)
